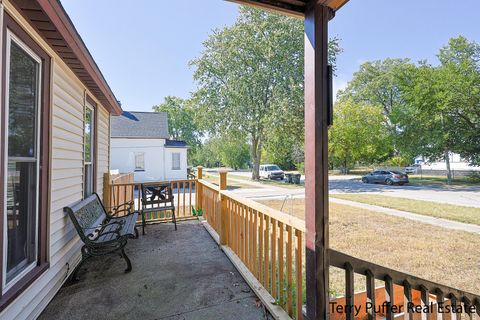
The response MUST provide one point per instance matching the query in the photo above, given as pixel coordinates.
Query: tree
(249, 74)
(378, 83)
(181, 121)
(460, 81)
(442, 105)
(233, 151)
(228, 150)
(357, 135)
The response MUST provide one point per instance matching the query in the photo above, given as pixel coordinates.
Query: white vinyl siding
(103, 146)
(66, 179)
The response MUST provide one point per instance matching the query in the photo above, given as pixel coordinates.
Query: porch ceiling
(52, 22)
(291, 7)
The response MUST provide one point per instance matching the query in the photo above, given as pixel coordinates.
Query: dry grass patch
(445, 256)
(426, 208)
(232, 184)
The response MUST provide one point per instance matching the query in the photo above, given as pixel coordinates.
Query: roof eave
(88, 72)
(294, 8)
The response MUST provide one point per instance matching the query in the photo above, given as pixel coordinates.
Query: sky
(143, 50)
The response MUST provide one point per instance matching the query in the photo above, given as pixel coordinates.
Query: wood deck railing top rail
(344, 261)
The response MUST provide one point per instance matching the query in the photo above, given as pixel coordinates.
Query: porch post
(316, 159)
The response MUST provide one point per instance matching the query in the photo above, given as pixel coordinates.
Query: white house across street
(140, 143)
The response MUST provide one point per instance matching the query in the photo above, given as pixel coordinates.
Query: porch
(176, 275)
(187, 274)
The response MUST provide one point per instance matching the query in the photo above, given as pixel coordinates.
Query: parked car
(271, 171)
(385, 176)
(413, 168)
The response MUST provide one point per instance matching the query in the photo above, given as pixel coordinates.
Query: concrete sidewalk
(444, 223)
(176, 275)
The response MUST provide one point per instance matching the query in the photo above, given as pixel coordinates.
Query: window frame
(179, 161)
(9, 293)
(10, 39)
(136, 169)
(92, 105)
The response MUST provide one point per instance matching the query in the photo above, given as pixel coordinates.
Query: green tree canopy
(182, 124)
(378, 83)
(357, 135)
(250, 78)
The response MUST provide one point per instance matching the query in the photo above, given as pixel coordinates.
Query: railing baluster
(236, 228)
(440, 297)
(251, 240)
(178, 197)
(183, 207)
(266, 252)
(425, 298)
(245, 234)
(467, 305)
(281, 270)
(371, 294)
(274, 258)
(260, 247)
(289, 270)
(390, 299)
(349, 291)
(455, 303)
(116, 201)
(298, 272)
(242, 232)
(407, 299)
(476, 303)
(255, 245)
(190, 183)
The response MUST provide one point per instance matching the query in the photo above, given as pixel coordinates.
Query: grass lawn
(440, 180)
(445, 256)
(427, 208)
(231, 184)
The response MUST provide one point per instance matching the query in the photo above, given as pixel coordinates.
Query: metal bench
(157, 197)
(102, 232)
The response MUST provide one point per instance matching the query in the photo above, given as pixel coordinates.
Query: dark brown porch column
(316, 159)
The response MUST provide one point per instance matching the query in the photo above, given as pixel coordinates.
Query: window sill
(22, 285)
(139, 171)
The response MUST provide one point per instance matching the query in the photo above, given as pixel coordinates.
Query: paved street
(457, 195)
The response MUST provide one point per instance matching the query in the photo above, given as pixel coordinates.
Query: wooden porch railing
(399, 290)
(270, 244)
(183, 191)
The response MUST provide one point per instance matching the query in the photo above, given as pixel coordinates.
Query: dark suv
(386, 176)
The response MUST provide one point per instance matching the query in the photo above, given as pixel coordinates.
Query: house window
(24, 160)
(139, 161)
(89, 150)
(176, 161)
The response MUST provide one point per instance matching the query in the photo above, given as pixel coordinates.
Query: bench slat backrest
(87, 215)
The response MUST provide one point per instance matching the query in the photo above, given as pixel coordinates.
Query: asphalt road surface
(458, 195)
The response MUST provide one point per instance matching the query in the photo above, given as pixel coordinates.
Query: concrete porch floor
(176, 275)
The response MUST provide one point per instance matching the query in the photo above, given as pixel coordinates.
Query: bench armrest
(126, 207)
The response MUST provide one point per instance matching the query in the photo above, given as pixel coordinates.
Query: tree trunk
(256, 153)
(449, 170)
